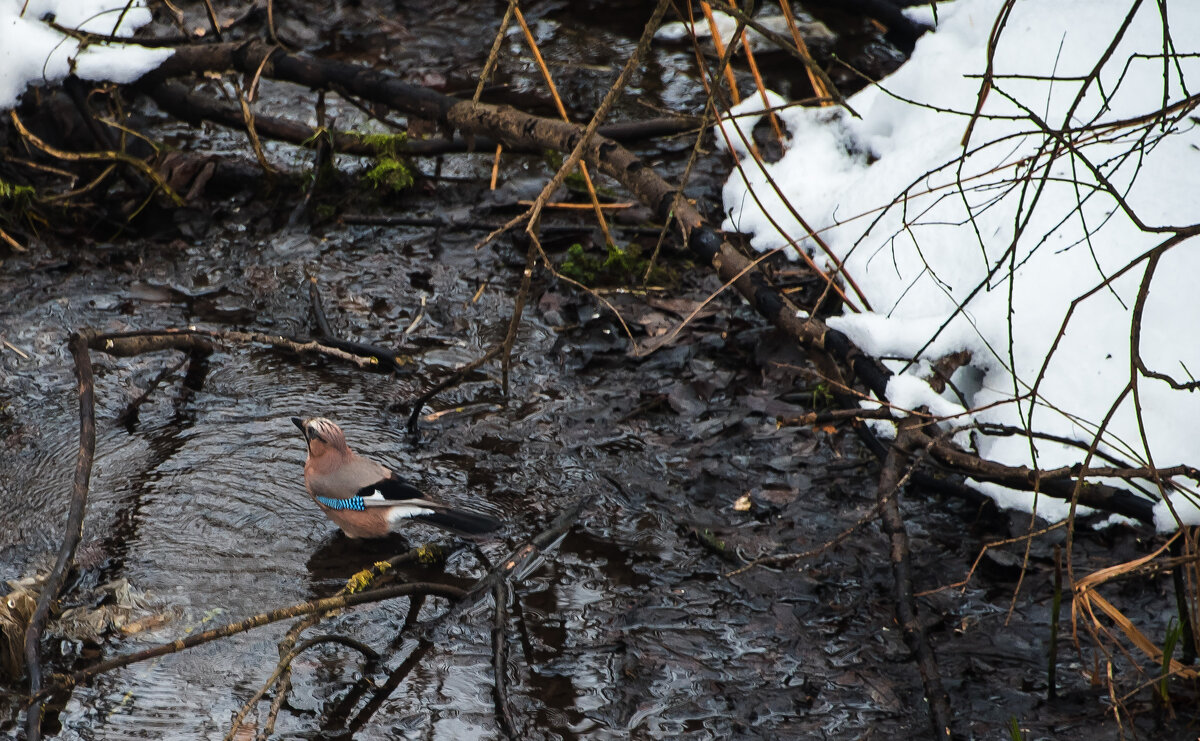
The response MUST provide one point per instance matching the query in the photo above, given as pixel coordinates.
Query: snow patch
(32, 52)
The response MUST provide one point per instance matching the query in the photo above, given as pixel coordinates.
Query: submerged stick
(386, 358)
(74, 530)
(125, 344)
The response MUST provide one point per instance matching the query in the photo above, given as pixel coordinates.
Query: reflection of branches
(284, 669)
(290, 646)
(500, 596)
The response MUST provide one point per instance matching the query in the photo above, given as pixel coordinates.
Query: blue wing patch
(354, 503)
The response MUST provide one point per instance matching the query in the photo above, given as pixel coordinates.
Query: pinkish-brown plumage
(364, 498)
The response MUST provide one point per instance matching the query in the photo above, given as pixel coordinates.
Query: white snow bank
(1010, 232)
(742, 119)
(32, 52)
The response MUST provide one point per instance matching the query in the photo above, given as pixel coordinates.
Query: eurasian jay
(366, 499)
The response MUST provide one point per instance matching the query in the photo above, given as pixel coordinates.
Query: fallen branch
(265, 618)
(192, 107)
(388, 360)
(1102, 497)
(891, 483)
(124, 344)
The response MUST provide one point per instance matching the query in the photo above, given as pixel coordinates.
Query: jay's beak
(300, 423)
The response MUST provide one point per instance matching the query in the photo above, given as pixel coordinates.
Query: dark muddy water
(631, 628)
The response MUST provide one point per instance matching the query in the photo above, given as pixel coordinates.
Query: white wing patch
(406, 512)
(375, 499)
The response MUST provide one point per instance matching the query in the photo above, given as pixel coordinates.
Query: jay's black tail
(462, 521)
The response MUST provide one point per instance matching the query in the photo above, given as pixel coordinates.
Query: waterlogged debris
(16, 610)
(106, 610)
(111, 608)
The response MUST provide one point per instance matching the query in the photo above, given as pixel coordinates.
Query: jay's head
(323, 437)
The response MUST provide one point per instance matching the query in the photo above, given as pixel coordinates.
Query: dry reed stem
(562, 111)
(1086, 599)
(762, 90)
(819, 87)
(719, 44)
(11, 242)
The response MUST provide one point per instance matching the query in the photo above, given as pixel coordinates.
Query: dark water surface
(631, 628)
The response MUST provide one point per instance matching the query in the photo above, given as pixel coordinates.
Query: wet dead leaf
(655, 323)
(684, 307)
(773, 498)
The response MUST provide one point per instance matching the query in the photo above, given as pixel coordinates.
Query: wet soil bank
(633, 627)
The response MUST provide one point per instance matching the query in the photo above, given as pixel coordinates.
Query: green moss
(21, 194)
(619, 265)
(576, 183)
(365, 578)
(386, 145)
(17, 206)
(623, 260)
(360, 581)
(822, 396)
(390, 174)
(391, 171)
(579, 265)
